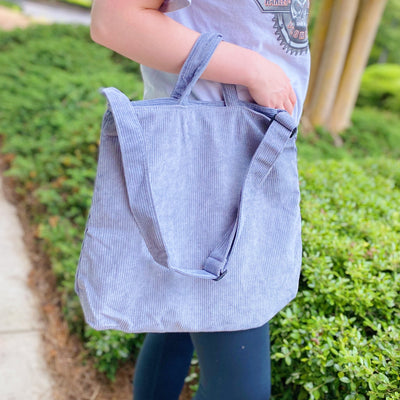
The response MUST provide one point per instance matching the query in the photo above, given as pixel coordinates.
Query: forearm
(137, 30)
(151, 38)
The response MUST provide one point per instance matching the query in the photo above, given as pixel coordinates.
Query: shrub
(386, 45)
(10, 4)
(110, 347)
(340, 337)
(82, 3)
(50, 115)
(380, 87)
(373, 132)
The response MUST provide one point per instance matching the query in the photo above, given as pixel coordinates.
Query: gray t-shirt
(277, 29)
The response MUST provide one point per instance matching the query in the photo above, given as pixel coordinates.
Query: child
(265, 53)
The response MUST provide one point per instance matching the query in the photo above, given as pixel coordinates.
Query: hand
(271, 87)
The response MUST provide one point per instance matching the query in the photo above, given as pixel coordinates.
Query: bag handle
(135, 166)
(194, 66)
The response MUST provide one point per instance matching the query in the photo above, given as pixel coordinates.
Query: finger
(289, 106)
(292, 97)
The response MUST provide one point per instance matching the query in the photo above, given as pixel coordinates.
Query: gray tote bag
(195, 220)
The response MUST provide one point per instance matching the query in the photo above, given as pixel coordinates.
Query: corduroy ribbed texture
(195, 221)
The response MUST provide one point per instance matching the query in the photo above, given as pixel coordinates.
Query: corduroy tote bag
(195, 222)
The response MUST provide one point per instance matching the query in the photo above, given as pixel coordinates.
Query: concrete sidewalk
(23, 371)
(44, 12)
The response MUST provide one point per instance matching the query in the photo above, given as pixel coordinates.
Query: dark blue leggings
(233, 365)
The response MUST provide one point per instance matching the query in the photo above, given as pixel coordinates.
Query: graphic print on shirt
(290, 23)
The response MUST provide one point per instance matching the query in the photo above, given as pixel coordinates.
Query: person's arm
(138, 30)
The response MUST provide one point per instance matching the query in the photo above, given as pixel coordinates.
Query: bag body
(195, 222)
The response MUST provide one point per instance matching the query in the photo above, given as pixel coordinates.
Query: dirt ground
(10, 19)
(74, 375)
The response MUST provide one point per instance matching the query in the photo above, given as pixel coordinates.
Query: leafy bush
(340, 338)
(373, 132)
(50, 114)
(380, 87)
(386, 45)
(10, 4)
(109, 347)
(82, 3)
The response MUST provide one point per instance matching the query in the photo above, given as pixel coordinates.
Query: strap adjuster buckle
(221, 275)
(285, 119)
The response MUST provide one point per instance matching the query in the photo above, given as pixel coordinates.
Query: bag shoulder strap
(135, 165)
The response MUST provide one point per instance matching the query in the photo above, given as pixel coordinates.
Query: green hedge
(50, 114)
(340, 338)
(10, 4)
(380, 87)
(82, 3)
(373, 132)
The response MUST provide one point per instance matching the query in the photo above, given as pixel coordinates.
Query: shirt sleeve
(173, 5)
